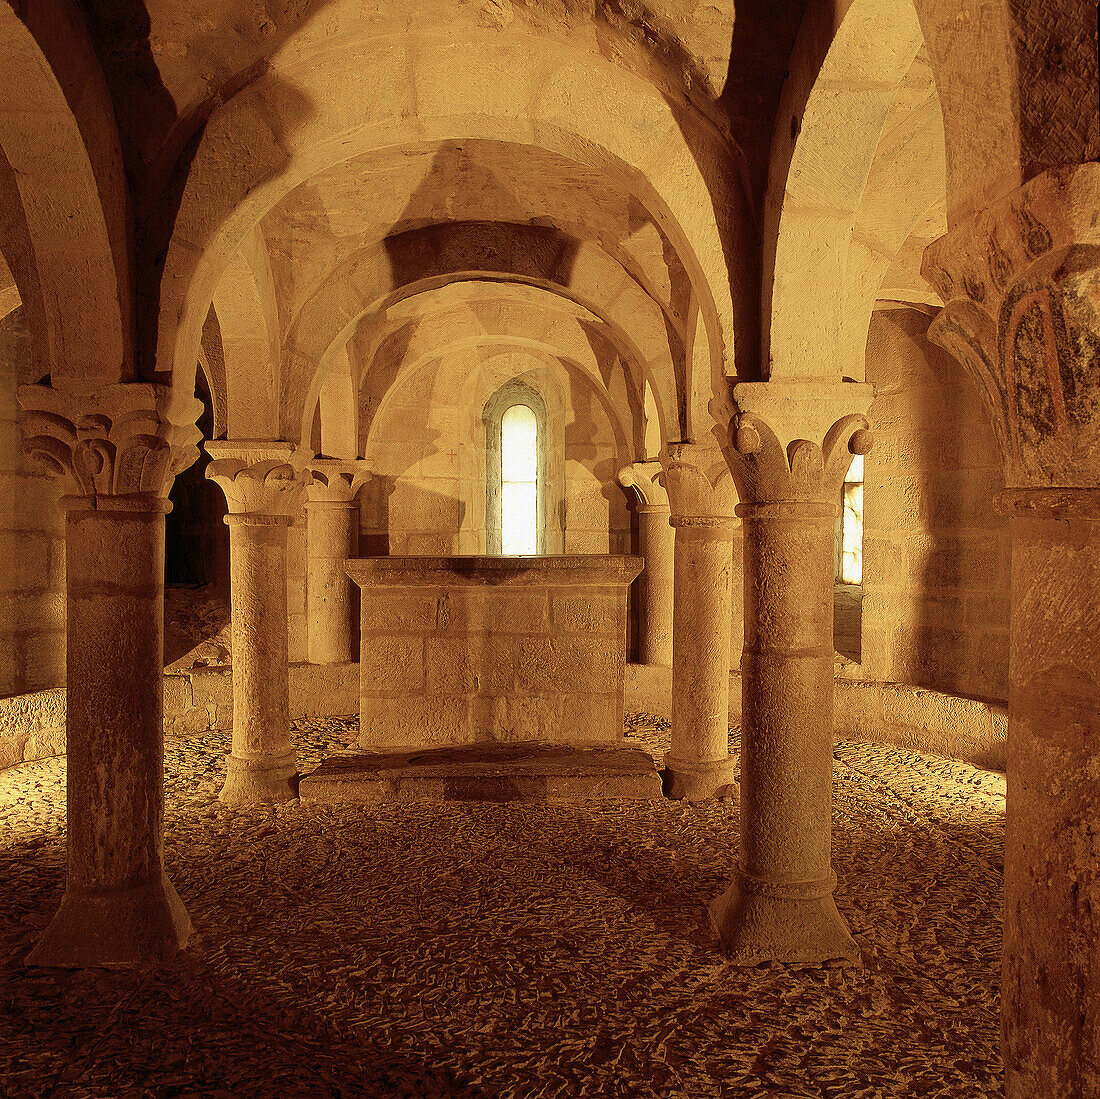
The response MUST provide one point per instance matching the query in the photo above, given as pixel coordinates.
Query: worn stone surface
(515, 949)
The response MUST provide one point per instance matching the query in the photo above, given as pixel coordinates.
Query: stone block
(388, 722)
(178, 697)
(26, 561)
(484, 773)
(471, 609)
(592, 718)
(323, 690)
(451, 665)
(589, 612)
(858, 709)
(392, 664)
(518, 717)
(212, 695)
(992, 663)
(396, 610)
(579, 663)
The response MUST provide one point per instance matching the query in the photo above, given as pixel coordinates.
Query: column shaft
(699, 762)
(1051, 983)
(262, 765)
(780, 905)
(119, 909)
(656, 597)
(332, 531)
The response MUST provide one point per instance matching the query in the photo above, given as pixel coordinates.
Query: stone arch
(1018, 80)
(372, 278)
(271, 136)
(248, 323)
(652, 362)
(849, 62)
(63, 194)
(414, 363)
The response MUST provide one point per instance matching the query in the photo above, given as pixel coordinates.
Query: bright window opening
(851, 532)
(519, 481)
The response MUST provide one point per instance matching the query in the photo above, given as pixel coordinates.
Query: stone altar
(494, 677)
(461, 650)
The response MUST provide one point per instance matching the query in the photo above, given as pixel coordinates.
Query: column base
(260, 781)
(761, 923)
(120, 929)
(700, 779)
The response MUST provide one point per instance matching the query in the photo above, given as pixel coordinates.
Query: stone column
(655, 596)
(1022, 286)
(332, 530)
(702, 500)
(780, 904)
(263, 491)
(119, 450)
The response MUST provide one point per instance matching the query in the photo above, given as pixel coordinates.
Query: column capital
(697, 479)
(262, 481)
(644, 478)
(336, 480)
(794, 441)
(1021, 280)
(125, 440)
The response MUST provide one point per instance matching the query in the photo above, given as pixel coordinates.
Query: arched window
(519, 481)
(515, 421)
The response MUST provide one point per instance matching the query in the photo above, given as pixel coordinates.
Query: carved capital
(1022, 285)
(125, 439)
(697, 479)
(262, 482)
(794, 441)
(644, 480)
(336, 480)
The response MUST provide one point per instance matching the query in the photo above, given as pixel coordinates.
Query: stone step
(484, 772)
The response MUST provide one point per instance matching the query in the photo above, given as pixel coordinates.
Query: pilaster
(656, 538)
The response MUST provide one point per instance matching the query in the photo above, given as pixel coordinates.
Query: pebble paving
(476, 949)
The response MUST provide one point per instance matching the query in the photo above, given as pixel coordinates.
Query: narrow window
(851, 525)
(519, 481)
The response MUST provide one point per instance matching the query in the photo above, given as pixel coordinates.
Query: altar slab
(483, 650)
(485, 772)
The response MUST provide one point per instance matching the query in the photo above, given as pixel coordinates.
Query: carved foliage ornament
(123, 439)
(805, 471)
(1022, 286)
(697, 479)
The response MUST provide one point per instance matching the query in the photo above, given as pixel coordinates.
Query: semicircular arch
(271, 137)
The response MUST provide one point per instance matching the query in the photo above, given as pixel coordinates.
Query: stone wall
(427, 450)
(33, 726)
(32, 547)
(936, 555)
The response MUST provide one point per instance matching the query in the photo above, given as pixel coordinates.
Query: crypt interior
(550, 547)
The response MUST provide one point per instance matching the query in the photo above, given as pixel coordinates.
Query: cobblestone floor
(512, 950)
